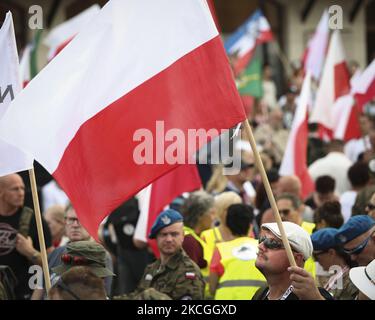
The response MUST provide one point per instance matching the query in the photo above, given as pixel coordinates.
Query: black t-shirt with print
(9, 256)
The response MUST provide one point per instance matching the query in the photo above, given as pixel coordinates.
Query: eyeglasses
(270, 243)
(63, 286)
(284, 212)
(358, 249)
(70, 221)
(370, 206)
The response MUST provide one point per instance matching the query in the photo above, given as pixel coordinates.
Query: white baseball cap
(298, 238)
(364, 279)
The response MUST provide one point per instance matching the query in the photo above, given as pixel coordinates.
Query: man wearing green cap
(84, 253)
(76, 233)
(174, 274)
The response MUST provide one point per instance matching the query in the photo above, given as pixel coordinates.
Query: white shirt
(347, 200)
(354, 147)
(336, 165)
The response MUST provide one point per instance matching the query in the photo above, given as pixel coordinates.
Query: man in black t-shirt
(19, 245)
(285, 282)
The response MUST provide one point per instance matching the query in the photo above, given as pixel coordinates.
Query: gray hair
(296, 202)
(198, 203)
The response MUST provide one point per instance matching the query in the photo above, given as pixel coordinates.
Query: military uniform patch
(166, 220)
(190, 275)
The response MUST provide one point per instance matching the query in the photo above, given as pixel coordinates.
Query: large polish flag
(317, 48)
(241, 45)
(61, 35)
(158, 195)
(335, 83)
(136, 63)
(11, 158)
(295, 156)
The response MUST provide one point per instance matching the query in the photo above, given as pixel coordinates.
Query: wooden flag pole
(38, 218)
(283, 58)
(271, 198)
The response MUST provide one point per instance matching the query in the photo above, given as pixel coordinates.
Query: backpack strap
(8, 282)
(25, 220)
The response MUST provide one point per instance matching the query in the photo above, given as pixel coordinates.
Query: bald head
(5, 181)
(12, 193)
(290, 184)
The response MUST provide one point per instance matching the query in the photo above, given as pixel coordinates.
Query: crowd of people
(220, 242)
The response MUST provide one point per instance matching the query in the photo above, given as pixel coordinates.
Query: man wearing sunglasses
(291, 209)
(357, 237)
(286, 282)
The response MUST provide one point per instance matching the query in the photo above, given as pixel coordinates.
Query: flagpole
(283, 58)
(38, 218)
(271, 198)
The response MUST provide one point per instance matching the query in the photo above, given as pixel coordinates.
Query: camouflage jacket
(348, 290)
(179, 279)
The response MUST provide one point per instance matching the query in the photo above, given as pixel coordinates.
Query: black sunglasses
(284, 212)
(270, 243)
(370, 206)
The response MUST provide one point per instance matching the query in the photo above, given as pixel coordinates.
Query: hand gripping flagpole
(38, 218)
(271, 198)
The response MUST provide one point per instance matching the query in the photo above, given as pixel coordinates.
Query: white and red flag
(61, 35)
(334, 83)
(346, 113)
(317, 48)
(97, 104)
(155, 197)
(347, 108)
(295, 156)
(11, 158)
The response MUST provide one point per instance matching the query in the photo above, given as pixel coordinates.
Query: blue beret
(165, 219)
(324, 239)
(354, 227)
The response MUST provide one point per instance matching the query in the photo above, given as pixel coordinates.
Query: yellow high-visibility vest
(205, 271)
(211, 237)
(241, 279)
(189, 231)
(310, 262)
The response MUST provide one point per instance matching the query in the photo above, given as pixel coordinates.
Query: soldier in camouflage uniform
(174, 275)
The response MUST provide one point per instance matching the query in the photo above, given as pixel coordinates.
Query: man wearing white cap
(286, 282)
(364, 279)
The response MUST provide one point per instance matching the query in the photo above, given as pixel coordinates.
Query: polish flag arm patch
(190, 275)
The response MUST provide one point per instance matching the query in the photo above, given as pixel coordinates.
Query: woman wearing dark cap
(334, 260)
